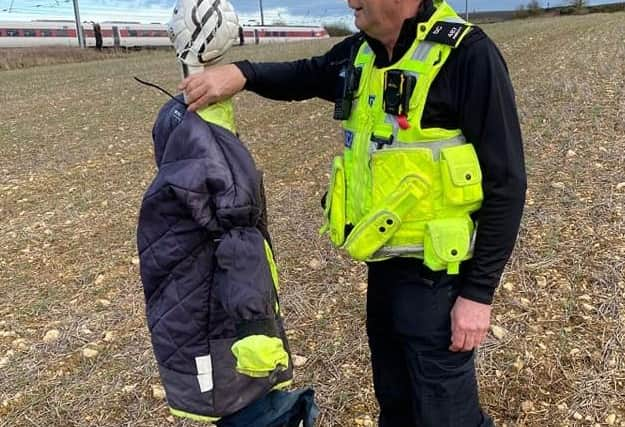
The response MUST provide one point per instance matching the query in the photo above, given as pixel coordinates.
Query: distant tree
(521, 12)
(533, 8)
(575, 7)
(578, 4)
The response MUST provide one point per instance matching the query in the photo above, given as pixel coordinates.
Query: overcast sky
(289, 11)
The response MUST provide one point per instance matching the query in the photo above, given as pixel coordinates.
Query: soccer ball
(202, 31)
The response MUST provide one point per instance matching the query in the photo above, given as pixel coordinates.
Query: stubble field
(75, 158)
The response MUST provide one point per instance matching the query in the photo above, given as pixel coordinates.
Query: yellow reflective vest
(406, 191)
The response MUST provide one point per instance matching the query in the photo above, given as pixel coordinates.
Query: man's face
(376, 17)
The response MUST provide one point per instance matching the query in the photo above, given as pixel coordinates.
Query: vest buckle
(380, 141)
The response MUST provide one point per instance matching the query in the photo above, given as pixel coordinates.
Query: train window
(29, 33)
(46, 33)
(61, 33)
(12, 33)
(132, 33)
(282, 33)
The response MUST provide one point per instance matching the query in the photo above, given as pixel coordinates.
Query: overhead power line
(39, 5)
(91, 12)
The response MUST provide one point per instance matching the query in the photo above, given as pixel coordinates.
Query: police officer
(429, 191)
(97, 32)
(241, 36)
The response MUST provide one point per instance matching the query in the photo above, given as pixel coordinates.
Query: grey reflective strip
(392, 120)
(435, 146)
(415, 250)
(367, 50)
(395, 251)
(455, 20)
(423, 50)
(204, 366)
(415, 75)
(474, 237)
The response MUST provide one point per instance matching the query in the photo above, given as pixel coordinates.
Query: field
(17, 58)
(76, 157)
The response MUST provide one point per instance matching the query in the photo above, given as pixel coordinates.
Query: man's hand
(469, 324)
(213, 85)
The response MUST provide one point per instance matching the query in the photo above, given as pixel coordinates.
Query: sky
(294, 12)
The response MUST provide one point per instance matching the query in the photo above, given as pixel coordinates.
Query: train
(133, 34)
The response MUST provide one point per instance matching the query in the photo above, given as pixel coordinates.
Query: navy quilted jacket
(204, 268)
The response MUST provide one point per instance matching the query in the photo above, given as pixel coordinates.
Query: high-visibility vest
(404, 190)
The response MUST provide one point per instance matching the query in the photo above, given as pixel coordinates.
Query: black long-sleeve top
(473, 93)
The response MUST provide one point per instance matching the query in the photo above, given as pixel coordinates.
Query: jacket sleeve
(194, 171)
(301, 79)
(488, 118)
(247, 288)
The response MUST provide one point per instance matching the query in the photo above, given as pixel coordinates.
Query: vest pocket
(373, 231)
(447, 243)
(403, 170)
(371, 234)
(335, 203)
(461, 175)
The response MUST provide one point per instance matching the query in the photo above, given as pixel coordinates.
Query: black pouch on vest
(348, 86)
(398, 89)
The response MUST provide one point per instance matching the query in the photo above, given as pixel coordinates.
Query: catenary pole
(81, 35)
(262, 17)
(466, 9)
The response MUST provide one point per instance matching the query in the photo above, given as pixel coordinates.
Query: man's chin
(358, 24)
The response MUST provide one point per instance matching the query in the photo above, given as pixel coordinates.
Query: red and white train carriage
(127, 35)
(273, 34)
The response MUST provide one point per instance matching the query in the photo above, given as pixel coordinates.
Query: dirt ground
(76, 157)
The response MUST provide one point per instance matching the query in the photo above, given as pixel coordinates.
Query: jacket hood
(169, 117)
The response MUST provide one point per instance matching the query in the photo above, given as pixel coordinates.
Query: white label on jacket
(204, 365)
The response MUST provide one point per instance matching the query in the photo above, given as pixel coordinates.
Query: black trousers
(418, 382)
